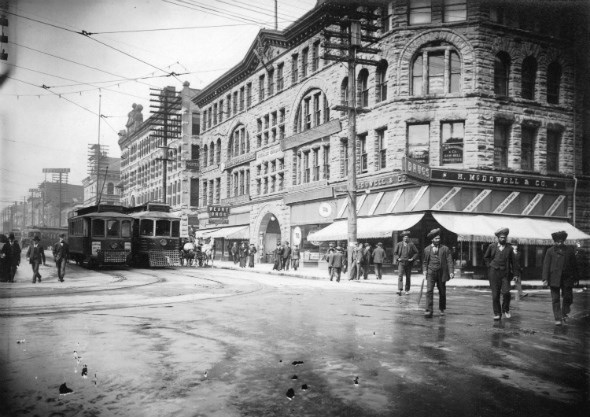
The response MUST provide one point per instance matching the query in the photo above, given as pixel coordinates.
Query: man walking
(378, 258)
(286, 256)
(518, 269)
(336, 261)
(61, 252)
(36, 255)
(15, 253)
(366, 260)
(560, 273)
(499, 259)
(295, 255)
(438, 268)
(234, 253)
(357, 259)
(330, 251)
(278, 252)
(243, 255)
(404, 255)
(251, 253)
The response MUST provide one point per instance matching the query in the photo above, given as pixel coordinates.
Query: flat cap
(405, 233)
(561, 235)
(433, 233)
(503, 231)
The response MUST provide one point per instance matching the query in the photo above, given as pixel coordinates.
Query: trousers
(61, 268)
(500, 285)
(561, 309)
(435, 278)
(404, 268)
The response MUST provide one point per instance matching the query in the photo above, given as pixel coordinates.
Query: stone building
(474, 120)
(143, 154)
(102, 186)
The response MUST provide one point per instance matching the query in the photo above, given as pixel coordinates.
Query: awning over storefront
(370, 227)
(231, 232)
(481, 228)
(204, 233)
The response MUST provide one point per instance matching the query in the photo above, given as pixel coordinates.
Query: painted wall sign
(477, 201)
(446, 198)
(498, 179)
(325, 209)
(527, 210)
(554, 206)
(506, 202)
(415, 169)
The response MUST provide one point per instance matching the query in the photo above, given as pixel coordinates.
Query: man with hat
(366, 261)
(336, 261)
(15, 253)
(357, 259)
(499, 258)
(560, 272)
(437, 267)
(404, 255)
(378, 258)
(329, 252)
(61, 253)
(36, 255)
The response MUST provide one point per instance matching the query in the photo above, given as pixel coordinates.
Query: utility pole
(165, 124)
(353, 22)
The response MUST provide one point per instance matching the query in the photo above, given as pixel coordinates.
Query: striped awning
(527, 230)
(231, 232)
(367, 228)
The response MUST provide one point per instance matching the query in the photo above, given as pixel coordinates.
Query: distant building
(103, 187)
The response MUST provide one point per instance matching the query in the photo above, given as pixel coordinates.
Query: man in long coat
(378, 258)
(15, 253)
(36, 255)
(560, 273)
(251, 253)
(499, 258)
(336, 261)
(286, 256)
(356, 269)
(438, 268)
(404, 255)
(61, 252)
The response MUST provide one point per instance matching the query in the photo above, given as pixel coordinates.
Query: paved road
(214, 342)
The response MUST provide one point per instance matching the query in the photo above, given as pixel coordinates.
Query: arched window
(501, 73)
(110, 188)
(212, 153)
(381, 81)
(238, 142)
(363, 88)
(311, 111)
(205, 155)
(528, 78)
(218, 153)
(436, 69)
(344, 92)
(553, 82)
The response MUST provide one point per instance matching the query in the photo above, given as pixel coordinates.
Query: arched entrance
(270, 235)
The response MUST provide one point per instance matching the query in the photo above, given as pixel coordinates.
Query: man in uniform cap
(404, 255)
(438, 268)
(560, 272)
(499, 258)
(36, 255)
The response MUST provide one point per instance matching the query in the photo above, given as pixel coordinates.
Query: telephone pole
(356, 26)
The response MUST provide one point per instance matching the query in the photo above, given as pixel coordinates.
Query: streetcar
(156, 235)
(100, 235)
(48, 235)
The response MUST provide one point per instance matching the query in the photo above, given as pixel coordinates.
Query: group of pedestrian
(286, 257)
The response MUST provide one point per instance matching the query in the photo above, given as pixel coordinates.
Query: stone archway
(269, 234)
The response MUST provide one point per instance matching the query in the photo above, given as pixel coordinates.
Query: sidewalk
(388, 279)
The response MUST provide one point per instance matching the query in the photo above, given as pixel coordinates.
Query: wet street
(214, 342)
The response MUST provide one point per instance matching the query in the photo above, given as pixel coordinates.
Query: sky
(68, 58)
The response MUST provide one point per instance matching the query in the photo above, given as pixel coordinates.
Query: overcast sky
(49, 104)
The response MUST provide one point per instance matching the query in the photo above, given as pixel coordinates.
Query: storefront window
(452, 142)
(418, 142)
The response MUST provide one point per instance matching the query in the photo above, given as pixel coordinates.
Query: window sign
(452, 142)
(418, 143)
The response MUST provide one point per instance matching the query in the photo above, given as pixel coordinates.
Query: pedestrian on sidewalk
(357, 258)
(278, 255)
(5, 260)
(286, 256)
(499, 258)
(331, 249)
(235, 253)
(336, 261)
(243, 255)
(61, 253)
(560, 273)
(366, 260)
(295, 255)
(518, 268)
(36, 255)
(404, 255)
(251, 253)
(438, 268)
(15, 254)
(378, 258)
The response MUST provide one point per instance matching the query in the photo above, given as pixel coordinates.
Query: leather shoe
(497, 317)
(428, 314)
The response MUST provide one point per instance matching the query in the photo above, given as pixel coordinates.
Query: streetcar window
(146, 227)
(162, 227)
(113, 228)
(175, 229)
(97, 227)
(126, 228)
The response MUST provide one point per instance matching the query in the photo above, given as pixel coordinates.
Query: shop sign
(296, 236)
(452, 153)
(218, 211)
(381, 182)
(192, 165)
(325, 209)
(218, 221)
(415, 169)
(498, 179)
